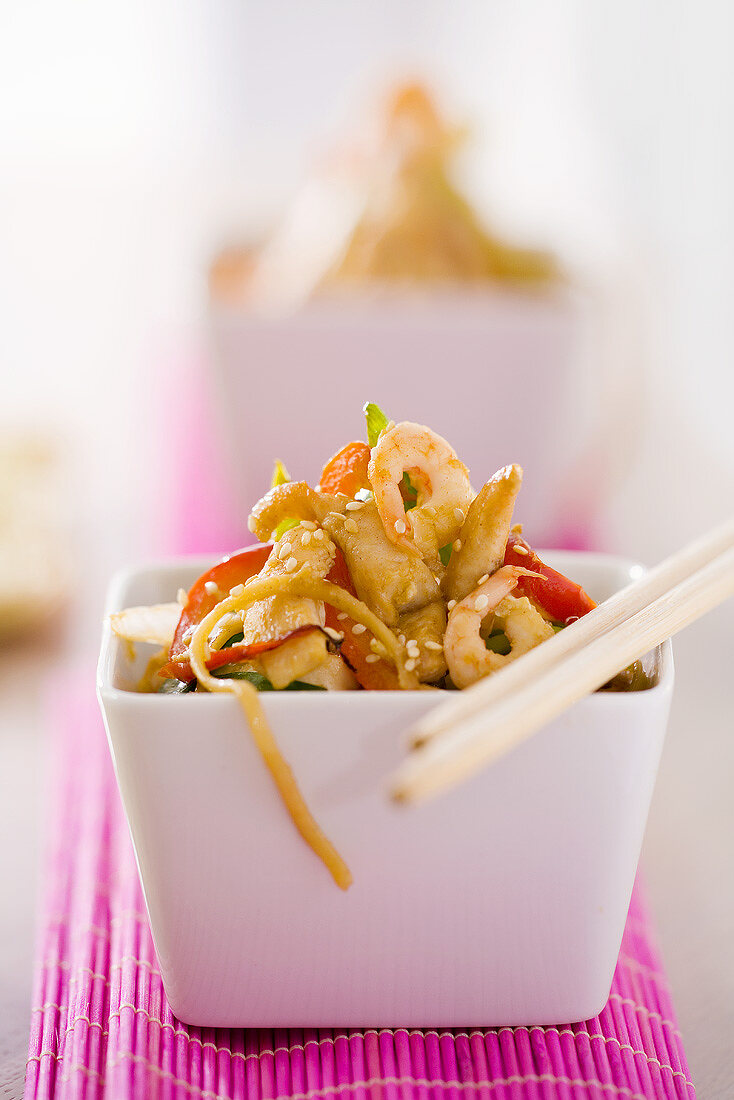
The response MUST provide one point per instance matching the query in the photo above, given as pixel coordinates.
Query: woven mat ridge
(101, 1028)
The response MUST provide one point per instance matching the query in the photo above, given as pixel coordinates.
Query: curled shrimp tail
(292, 500)
(467, 655)
(440, 480)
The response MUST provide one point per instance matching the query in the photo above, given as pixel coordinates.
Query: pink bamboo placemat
(101, 1026)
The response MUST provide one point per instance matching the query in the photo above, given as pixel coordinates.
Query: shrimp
(444, 492)
(292, 500)
(466, 653)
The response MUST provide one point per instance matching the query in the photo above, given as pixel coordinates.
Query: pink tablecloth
(101, 1026)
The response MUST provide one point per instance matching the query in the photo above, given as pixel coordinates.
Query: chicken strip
(425, 628)
(483, 534)
(303, 547)
(388, 578)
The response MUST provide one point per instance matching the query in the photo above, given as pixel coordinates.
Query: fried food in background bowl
(385, 213)
(382, 278)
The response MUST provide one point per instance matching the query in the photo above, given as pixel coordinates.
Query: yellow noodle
(302, 583)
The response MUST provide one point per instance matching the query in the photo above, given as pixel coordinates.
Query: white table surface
(687, 856)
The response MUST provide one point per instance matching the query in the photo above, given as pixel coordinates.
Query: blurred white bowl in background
(500, 374)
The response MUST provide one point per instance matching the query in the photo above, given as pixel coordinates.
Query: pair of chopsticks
(458, 738)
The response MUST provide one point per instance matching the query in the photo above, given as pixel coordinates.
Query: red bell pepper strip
(560, 597)
(224, 576)
(373, 675)
(346, 471)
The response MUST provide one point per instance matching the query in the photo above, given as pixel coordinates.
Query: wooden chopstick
(490, 731)
(628, 601)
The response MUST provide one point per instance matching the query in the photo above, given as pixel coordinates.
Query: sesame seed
(520, 549)
(342, 616)
(358, 628)
(251, 524)
(285, 550)
(333, 634)
(371, 658)
(306, 540)
(409, 665)
(309, 524)
(459, 515)
(400, 526)
(291, 565)
(237, 590)
(481, 602)
(457, 545)
(351, 525)
(355, 505)
(433, 645)
(410, 642)
(451, 605)
(484, 577)
(318, 535)
(212, 588)
(182, 597)
(413, 649)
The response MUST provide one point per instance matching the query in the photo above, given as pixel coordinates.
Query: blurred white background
(137, 138)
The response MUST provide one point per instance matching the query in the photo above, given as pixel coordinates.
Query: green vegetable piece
(282, 477)
(632, 678)
(557, 626)
(445, 553)
(285, 525)
(409, 491)
(234, 640)
(498, 642)
(175, 687)
(241, 672)
(280, 474)
(376, 422)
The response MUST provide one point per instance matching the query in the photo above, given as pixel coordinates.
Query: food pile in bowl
(383, 210)
(391, 574)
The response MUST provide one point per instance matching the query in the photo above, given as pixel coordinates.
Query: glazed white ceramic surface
(459, 362)
(502, 902)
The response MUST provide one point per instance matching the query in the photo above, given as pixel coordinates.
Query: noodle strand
(302, 583)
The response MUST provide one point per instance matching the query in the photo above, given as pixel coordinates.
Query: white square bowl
(503, 902)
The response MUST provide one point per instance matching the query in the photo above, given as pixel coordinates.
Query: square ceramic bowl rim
(398, 304)
(122, 579)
